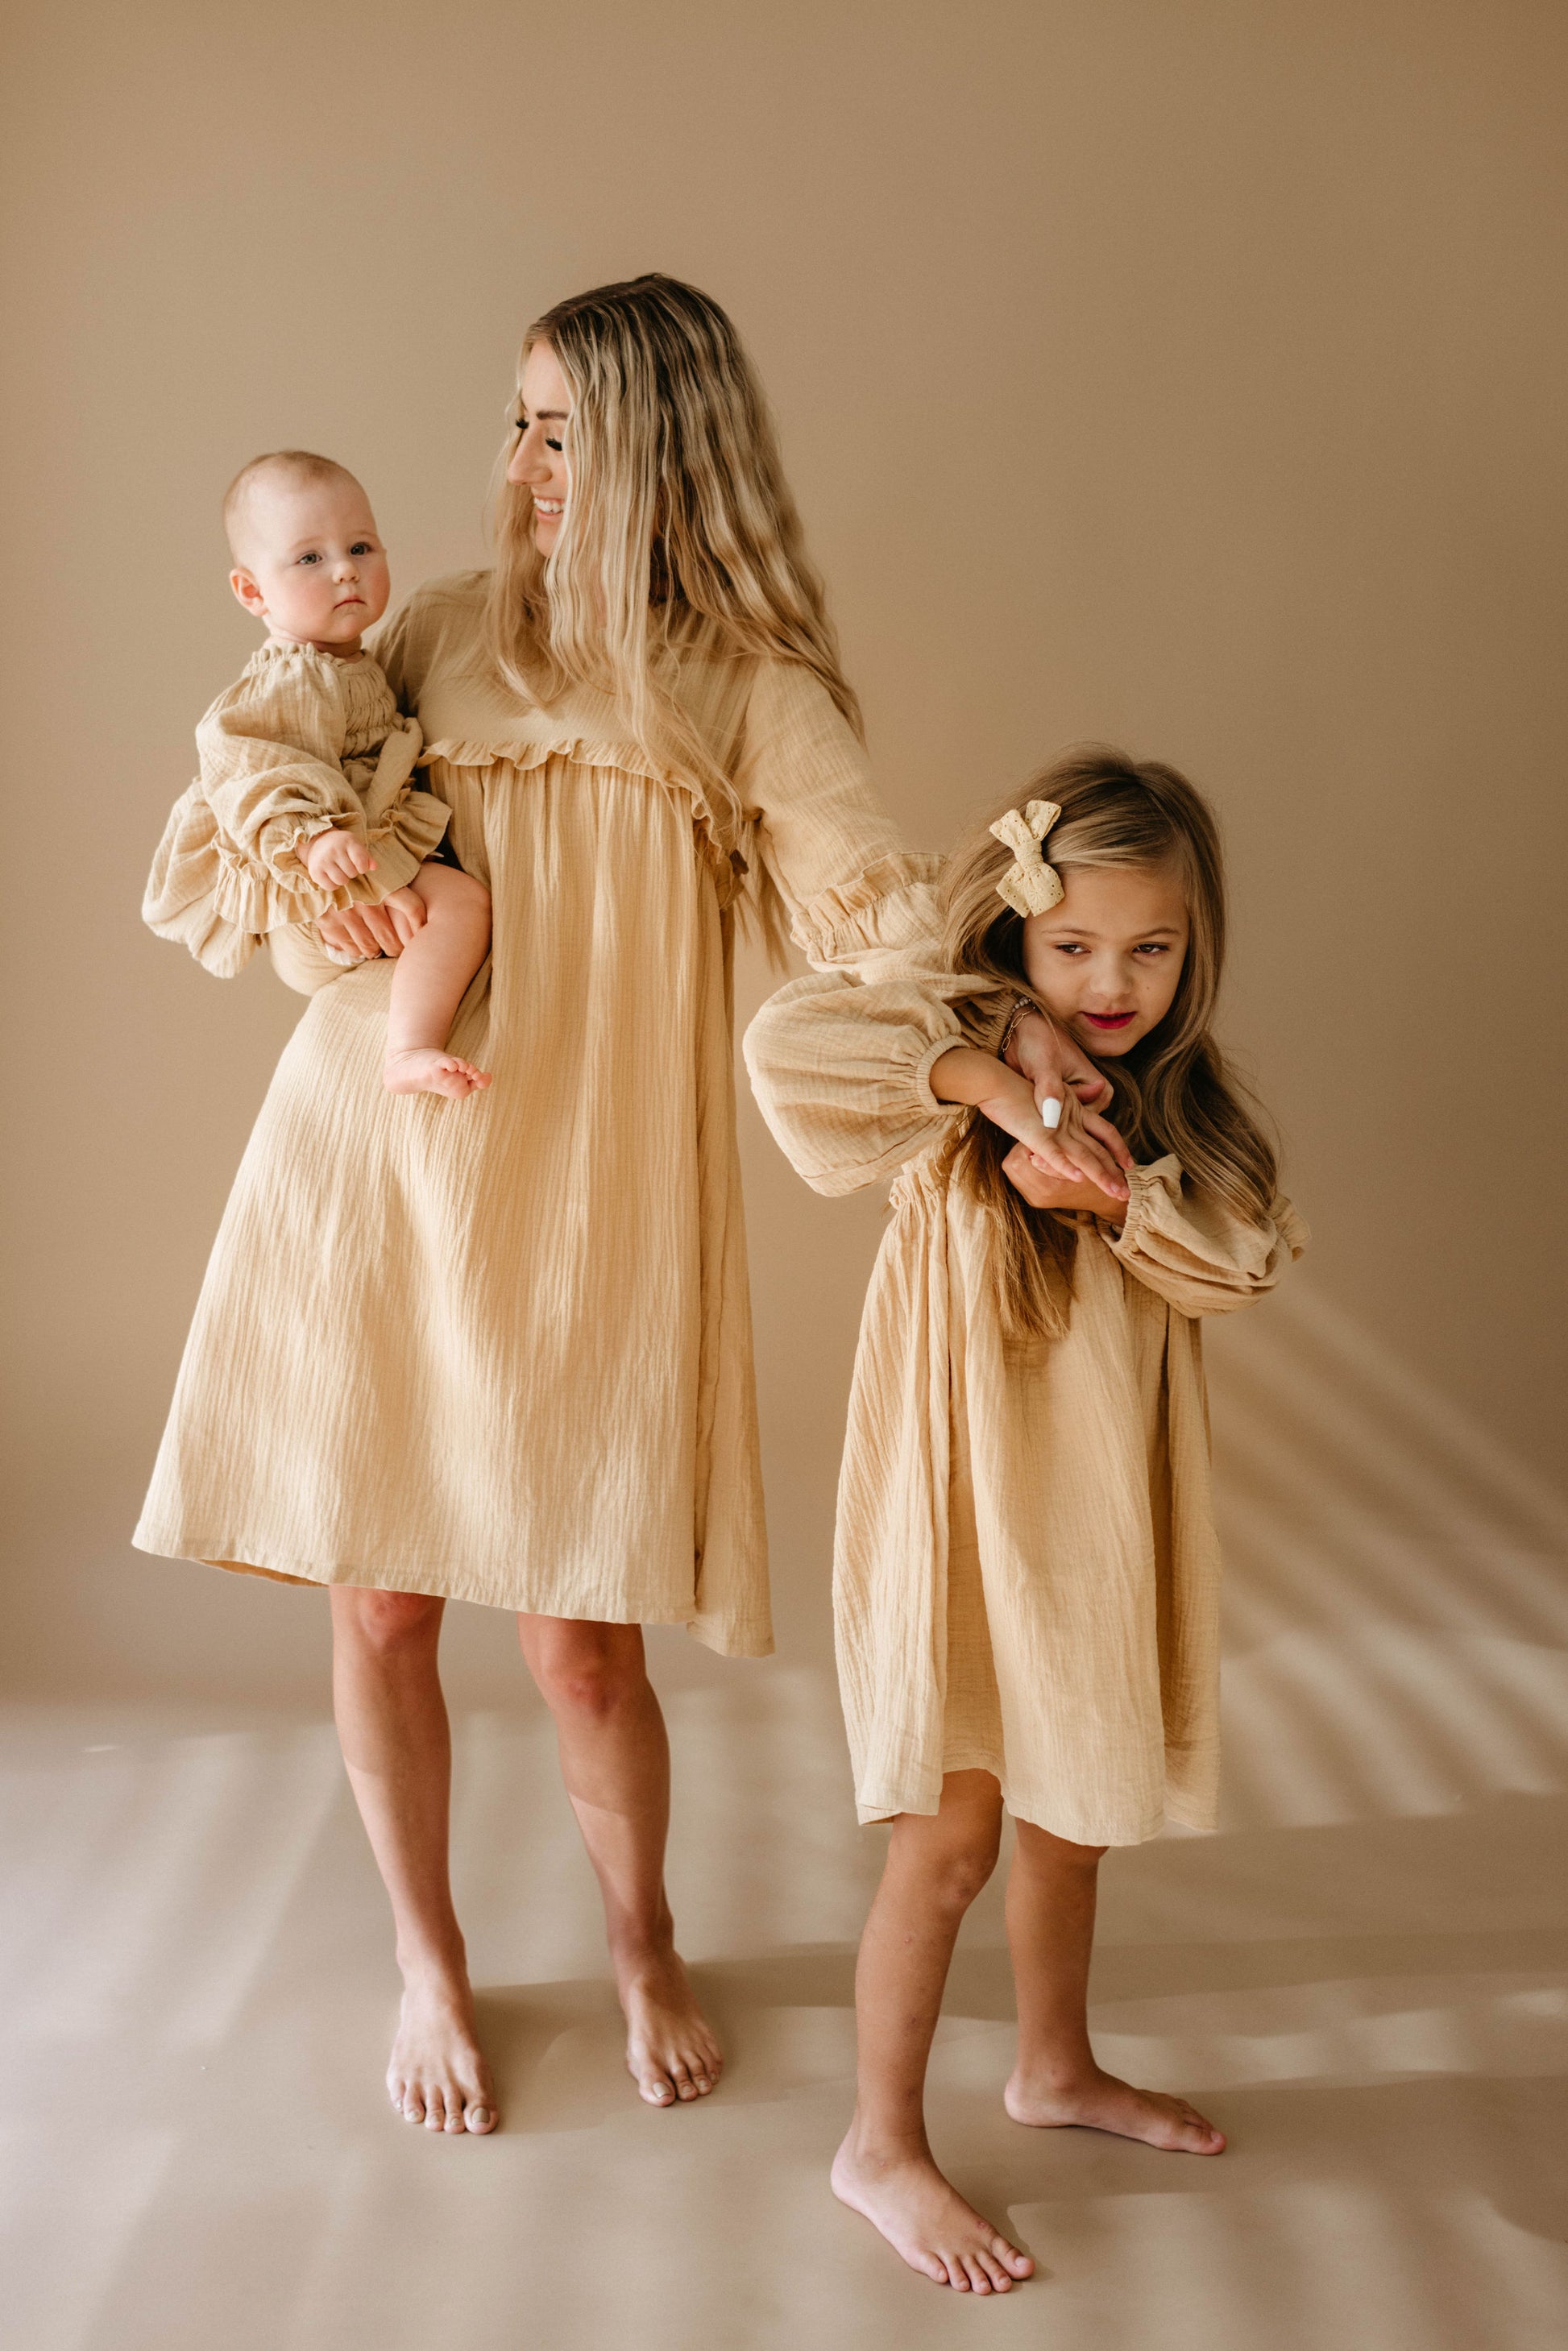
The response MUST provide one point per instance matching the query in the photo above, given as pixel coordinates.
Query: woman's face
(1105, 962)
(539, 462)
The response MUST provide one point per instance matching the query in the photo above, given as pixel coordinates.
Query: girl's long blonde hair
(1173, 1091)
(680, 530)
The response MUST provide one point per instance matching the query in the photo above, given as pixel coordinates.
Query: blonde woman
(506, 1357)
(1026, 1580)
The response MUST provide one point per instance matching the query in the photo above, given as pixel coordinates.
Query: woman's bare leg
(1050, 1929)
(428, 983)
(936, 1864)
(392, 1721)
(615, 1760)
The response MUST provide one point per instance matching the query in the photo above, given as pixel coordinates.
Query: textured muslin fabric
(501, 1350)
(302, 741)
(1026, 1576)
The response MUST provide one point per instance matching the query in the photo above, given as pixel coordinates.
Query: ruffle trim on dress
(725, 843)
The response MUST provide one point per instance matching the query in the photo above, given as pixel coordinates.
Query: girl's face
(1105, 962)
(539, 462)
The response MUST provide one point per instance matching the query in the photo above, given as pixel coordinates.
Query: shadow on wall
(1396, 1618)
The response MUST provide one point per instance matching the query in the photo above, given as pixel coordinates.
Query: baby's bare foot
(1103, 2103)
(925, 2220)
(670, 2053)
(437, 2075)
(422, 1070)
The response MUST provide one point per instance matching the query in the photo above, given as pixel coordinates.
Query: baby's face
(310, 562)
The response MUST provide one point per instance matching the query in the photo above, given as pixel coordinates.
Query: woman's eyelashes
(522, 425)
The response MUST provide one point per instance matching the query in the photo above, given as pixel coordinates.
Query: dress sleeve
(1197, 1254)
(271, 750)
(855, 898)
(842, 1072)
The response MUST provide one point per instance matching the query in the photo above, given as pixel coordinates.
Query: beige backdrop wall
(1180, 374)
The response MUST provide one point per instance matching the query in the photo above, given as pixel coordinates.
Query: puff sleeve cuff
(1194, 1252)
(842, 1075)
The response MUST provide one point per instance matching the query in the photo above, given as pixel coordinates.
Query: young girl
(306, 768)
(1027, 1582)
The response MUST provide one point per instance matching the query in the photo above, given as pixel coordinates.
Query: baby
(305, 787)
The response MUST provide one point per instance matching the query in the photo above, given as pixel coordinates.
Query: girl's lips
(1108, 1020)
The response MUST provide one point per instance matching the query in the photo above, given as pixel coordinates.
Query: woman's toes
(412, 2106)
(435, 2111)
(478, 2119)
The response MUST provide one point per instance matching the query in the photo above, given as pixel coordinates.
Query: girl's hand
(332, 858)
(965, 1074)
(1045, 1191)
(1084, 1146)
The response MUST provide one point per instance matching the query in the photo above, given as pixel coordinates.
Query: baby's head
(308, 558)
(1103, 894)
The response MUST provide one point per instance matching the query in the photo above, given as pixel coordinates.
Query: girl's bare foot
(925, 2218)
(422, 1070)
(1102, 2103)
(437, 2075)
(670, 2053)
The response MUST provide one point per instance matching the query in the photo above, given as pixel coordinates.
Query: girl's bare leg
(392, 1721)
(615, 1760)
(428, 981)
(1050, 1929)
(936, 1866)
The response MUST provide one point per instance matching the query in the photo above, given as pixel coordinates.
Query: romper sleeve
(855, 898)
(1194, 1252)
(271, 750)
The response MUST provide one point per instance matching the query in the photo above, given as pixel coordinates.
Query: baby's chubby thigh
(301, 961)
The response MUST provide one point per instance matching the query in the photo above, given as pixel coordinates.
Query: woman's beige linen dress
(501, 1350)
(1026, 1579)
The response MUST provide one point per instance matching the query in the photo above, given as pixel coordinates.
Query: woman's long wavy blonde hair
(1173, 1091)
(680, 530)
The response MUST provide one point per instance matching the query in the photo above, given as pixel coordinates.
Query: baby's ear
(249, 594)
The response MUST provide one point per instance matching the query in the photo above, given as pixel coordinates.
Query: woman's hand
(371, 931)
(332, 858)
(1046, 1191)
(1084, 1146)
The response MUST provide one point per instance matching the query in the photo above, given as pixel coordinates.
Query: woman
(501, 1351)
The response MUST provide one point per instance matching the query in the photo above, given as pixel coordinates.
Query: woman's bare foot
(1103, 2103)
(925, 2220)
(670, 2053)
(422, 1070)
(437, 2075)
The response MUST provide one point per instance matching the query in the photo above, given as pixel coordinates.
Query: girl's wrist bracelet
(1019, 1006)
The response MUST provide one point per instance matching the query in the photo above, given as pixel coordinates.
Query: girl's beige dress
(1027, 1581)
(301, 742)
(501, 1350)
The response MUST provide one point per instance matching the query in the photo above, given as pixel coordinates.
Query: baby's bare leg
(884, 2169)
(1050, 1929)
(428, 982)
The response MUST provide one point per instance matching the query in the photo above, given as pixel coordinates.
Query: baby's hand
(332, 858)
(407, 910)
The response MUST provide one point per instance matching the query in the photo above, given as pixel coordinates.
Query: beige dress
(301, 742)
(501, 1349)
(1026, 1580)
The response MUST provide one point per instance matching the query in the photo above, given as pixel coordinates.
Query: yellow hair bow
(1030, 885)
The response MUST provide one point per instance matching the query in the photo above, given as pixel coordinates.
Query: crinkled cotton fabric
(501, 1350)
(303, 741)
(1025, 1574)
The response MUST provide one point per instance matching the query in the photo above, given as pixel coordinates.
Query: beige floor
(1363, 1976)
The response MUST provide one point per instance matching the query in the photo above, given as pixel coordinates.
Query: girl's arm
(861, 908)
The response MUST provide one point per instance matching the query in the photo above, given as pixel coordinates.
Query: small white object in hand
(1051, 1111)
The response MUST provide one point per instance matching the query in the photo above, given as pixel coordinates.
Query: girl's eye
(1153, 947)
(1070, 948)
(361, 547)
(312, 557)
